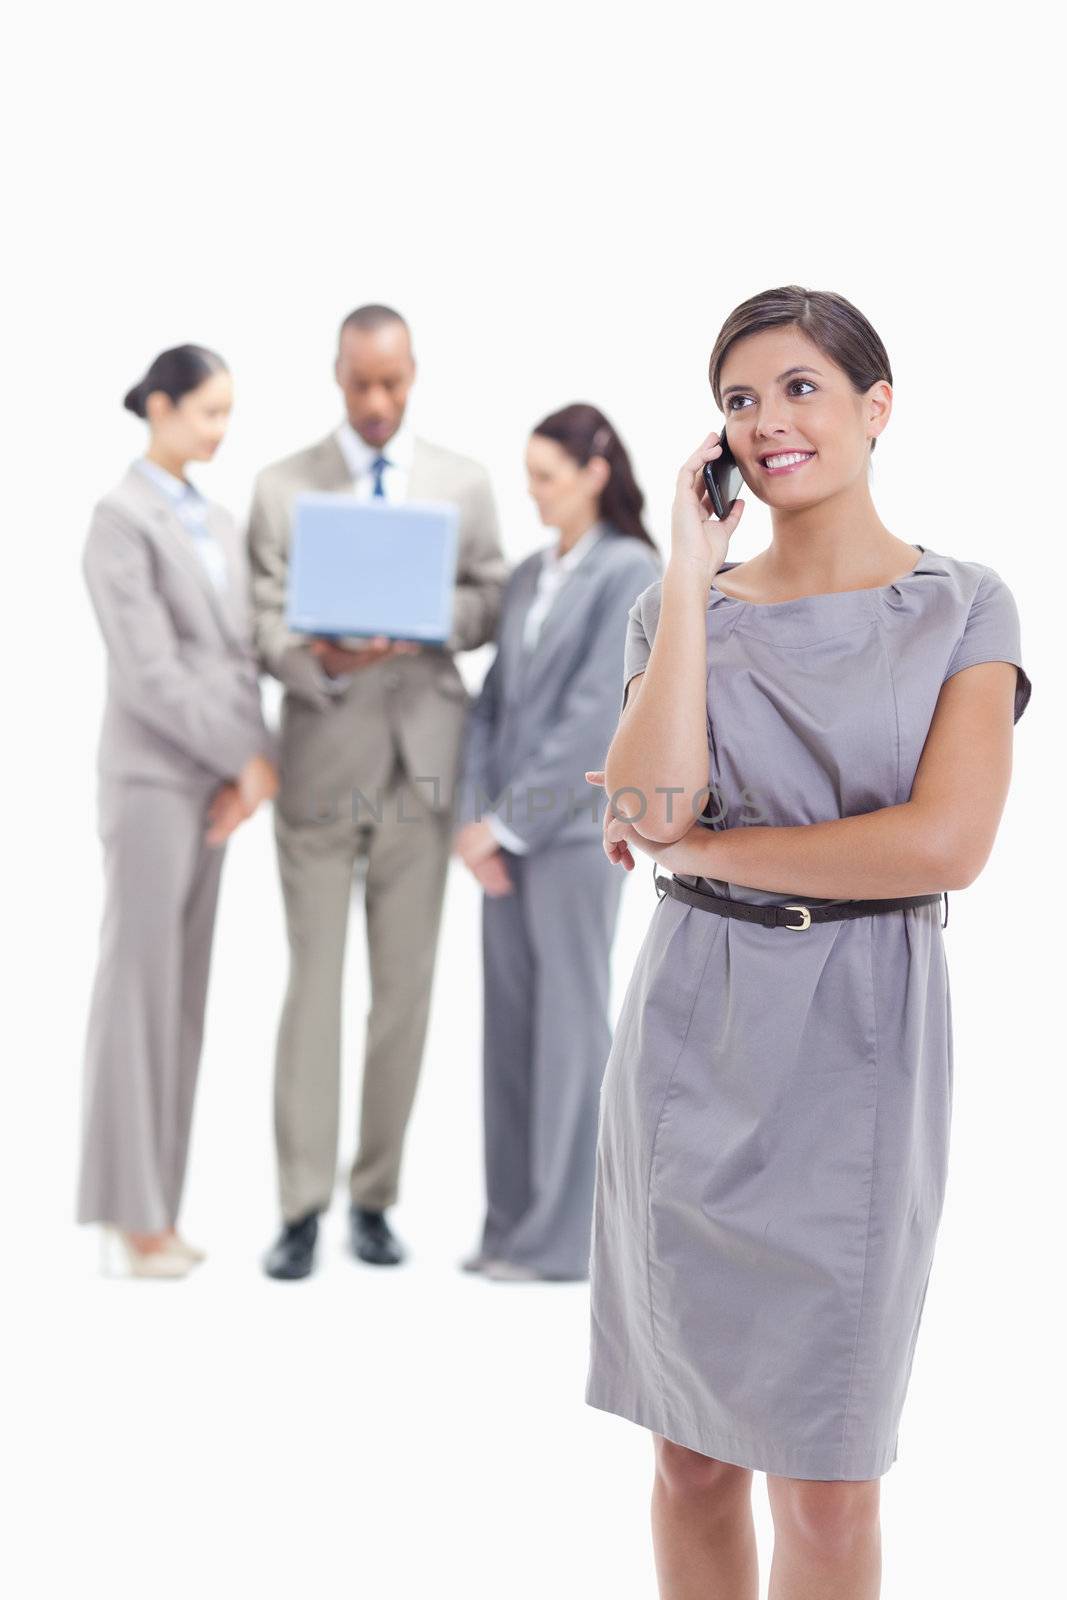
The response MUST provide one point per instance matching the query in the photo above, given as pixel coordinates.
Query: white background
(565, 201)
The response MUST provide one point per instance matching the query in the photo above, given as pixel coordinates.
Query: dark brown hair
(176, 372)
(584, 432)
(830, 321)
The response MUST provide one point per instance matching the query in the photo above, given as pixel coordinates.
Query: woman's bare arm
(661, 743)
(938, 839)
(658, 761)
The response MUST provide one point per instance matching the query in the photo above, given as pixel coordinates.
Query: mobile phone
(723, 479)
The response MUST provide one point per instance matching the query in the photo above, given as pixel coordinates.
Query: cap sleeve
(992, 633)
(640, 632)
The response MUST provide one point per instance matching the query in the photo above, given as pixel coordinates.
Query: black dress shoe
(372, 1238)
(292, 1255)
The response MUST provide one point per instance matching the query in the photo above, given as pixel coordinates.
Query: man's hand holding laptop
(336, 660)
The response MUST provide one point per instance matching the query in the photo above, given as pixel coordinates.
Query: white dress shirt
(190, 507)
(359, 458)
(554, 572)
(359, 455)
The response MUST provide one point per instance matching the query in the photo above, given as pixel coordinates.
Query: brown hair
(176, 372)
(829, 320)
(584, 432)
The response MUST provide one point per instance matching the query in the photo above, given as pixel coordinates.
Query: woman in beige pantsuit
(184, 757)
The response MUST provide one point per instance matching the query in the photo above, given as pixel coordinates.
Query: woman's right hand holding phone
(698, 538)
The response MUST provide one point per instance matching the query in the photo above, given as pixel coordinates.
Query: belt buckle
(798, 927)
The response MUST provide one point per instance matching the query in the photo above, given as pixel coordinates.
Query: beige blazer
(334, 743)
(183, 705)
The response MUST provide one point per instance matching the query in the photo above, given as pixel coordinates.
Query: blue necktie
(378, 466)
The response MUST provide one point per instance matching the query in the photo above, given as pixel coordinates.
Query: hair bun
(135, 399)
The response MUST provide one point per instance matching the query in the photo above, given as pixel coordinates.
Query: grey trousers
(407, 855)
(146, 1017)
(547, 952)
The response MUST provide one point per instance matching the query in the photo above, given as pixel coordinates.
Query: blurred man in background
(366, 721)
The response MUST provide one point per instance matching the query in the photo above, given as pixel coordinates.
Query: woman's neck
(166, 459)
(838, 544)
(569, 535)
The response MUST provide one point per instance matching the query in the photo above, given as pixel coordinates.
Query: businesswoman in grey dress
(776, 1107)
(530, 830)
(184, 757)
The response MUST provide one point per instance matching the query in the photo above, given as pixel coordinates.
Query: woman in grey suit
(184, 757)
(529, 829)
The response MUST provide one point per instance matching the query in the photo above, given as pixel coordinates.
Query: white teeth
(787, 461)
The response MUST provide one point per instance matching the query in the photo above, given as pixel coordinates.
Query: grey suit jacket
(338, 747)
(183, 705)
(545, 716)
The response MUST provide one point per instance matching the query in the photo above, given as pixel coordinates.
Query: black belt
(777, 916)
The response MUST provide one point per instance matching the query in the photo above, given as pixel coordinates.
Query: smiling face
(797, 428)
(375, 369)
(192, 428)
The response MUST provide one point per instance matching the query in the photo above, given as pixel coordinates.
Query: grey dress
(775, 1110)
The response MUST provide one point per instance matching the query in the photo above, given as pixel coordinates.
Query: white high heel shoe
(511, 1272)
(182, 1247)
(475, 1263)
(162, 1263)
